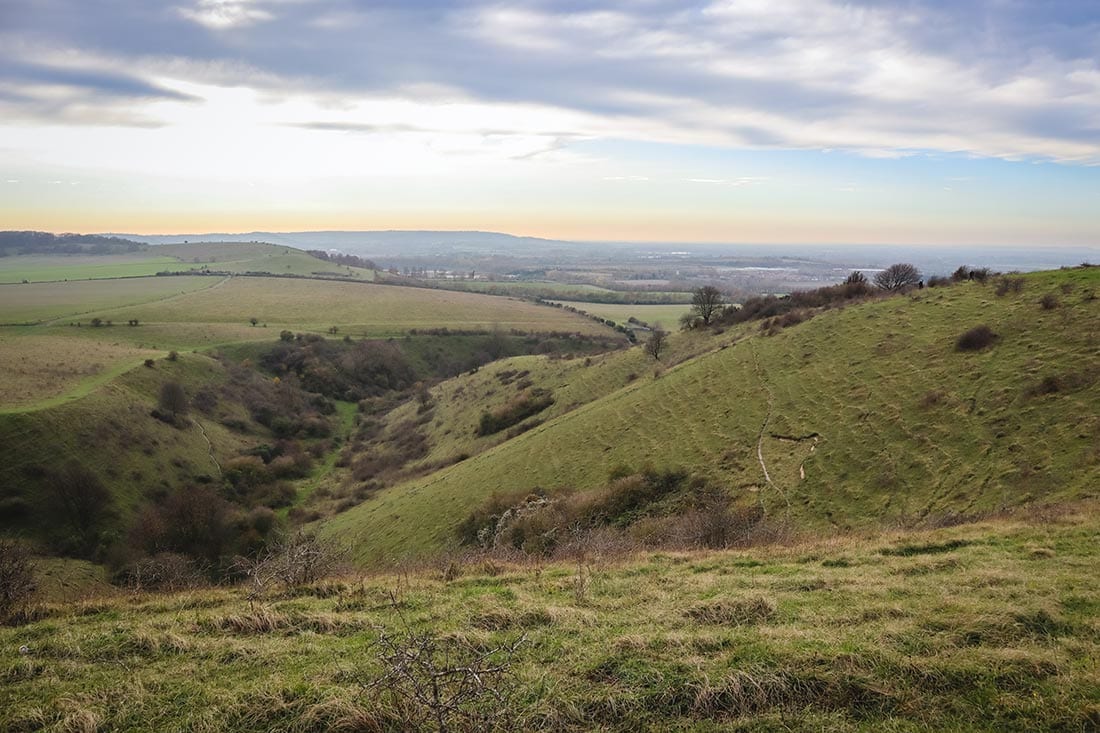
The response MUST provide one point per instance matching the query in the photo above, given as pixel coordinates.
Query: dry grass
(36, 368)
(828, 633)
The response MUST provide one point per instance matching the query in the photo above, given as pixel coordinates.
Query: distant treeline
(339, 258)
(45, 243)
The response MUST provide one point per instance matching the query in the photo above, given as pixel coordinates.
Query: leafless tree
(173, 398)
(655, 344)
(898, 277)
(17, 583)
(706, 302)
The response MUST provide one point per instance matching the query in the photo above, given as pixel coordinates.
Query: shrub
(976, 339)
(1006, 285)
(17, 584)
(173, 398)
(1049, 302)
(521, 407)
(162, 571)
(430, 682)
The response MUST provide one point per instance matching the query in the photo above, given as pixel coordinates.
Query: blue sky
(723, 120)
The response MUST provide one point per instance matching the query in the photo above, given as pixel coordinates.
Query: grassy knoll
(74, 300)
(356, 309)
(862, 414)
(849, 633)
(37, 368)
(110, 432)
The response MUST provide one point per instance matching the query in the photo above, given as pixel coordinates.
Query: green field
(357, 309)
(666, 316)
(37, 268)
(223, 257)
(877, 417)
(75, 300)
(846, 633)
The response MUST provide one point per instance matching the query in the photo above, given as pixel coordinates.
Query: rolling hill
(863, 415)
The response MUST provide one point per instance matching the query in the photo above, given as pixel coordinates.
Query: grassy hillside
(862, 415)
(221, 256)
(111, 433)
(848, 633)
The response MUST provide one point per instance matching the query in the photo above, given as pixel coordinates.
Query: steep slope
(862, 415)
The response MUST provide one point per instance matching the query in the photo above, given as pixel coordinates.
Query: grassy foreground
(990, 626)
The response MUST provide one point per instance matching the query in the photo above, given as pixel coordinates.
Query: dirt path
(64, 319)
(209, 445)
(764, 432)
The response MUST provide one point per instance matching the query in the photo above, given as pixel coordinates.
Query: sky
(791, 121)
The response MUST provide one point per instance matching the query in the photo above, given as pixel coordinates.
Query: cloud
(224, 14)
(880, 79)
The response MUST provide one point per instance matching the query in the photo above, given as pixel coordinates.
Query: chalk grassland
(357, 309)
(37, 302)
(862, 415)
(225, 257)
(450, 427)
(109, 431)
(255, 257)
(37, 268)
(840, 634)
(37, 368)
(666, 316)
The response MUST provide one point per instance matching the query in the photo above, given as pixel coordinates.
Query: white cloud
(223, 14)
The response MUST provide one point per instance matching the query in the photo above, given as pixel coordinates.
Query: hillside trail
(68, 318)
(209, 445)
(761, 375)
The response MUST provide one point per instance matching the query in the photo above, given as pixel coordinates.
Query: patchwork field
(357, 309)
(849, 633)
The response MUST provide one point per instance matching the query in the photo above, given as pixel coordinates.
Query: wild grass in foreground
(987, 626)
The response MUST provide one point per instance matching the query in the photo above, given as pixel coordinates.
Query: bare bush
(1049, 302)
(163, 571)
(290, 561)
(17, 583)
(1007, 284)
(429, 682)
(976, 339)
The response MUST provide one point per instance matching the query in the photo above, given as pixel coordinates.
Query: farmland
(223, 257)
(357, 309)
(666, 316)
(38, 302)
